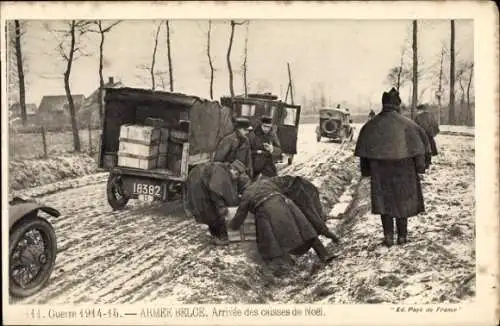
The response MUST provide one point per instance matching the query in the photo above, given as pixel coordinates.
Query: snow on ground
(155, 254)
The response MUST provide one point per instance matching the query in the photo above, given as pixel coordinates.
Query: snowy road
(154, 253)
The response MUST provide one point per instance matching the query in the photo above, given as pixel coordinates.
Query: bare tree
(228, 56)
(70, 53)
(439, 93)
(414, 99)
(451, 119)
(102, 30)
(170, 72)
(245, 66)
(469, 84)
(20, 71)
(153, 59)
(210, 63)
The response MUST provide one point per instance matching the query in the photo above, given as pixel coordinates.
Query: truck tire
(116, 199)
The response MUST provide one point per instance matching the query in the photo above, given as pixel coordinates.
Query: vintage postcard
(248, 163)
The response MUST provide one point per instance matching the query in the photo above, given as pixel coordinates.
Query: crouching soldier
(211, 188)
(306, 196)
(281, 227)
(236, 146)
(266, 148)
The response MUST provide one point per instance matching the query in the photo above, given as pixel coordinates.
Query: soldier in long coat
(265, 147)
(281, 227)
(211, 188)
(306, 196)
(426, 120)
(236, 146)
(393, 151)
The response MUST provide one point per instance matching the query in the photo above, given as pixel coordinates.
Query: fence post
(90, 133)
(44, 141)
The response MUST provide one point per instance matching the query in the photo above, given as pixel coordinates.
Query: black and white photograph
(242, 161)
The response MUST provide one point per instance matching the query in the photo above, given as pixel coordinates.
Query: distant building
(90, 106)
(31, 113)
(53, 109)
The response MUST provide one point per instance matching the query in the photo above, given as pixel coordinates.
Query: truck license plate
(147, 192)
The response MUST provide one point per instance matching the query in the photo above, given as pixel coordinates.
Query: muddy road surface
(155, 253)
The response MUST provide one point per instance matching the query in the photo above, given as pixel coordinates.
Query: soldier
(306, 196)
(371, 114)
(392, 151)
(265, 147)
(236, 146)
(281, 227)
(426, 120)
(211, 188)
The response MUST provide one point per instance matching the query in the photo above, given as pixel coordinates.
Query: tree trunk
(71, 104)
(170, 72)
(228, 59)
(290, 83)
(210, 60)
(153, 59)
(400, 71)
(20, 74)
(245, 85)
(414, 99)
(469, 110)
(101, 77)
(440, 87)
(451, 119)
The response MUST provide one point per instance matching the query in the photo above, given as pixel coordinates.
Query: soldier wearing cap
(426, 120)
(265, 147)
(211, 188)
(235, 146)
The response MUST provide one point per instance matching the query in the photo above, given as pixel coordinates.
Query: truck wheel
(32, 255)
(116, 198)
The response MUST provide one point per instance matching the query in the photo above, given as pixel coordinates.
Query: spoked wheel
(32, 256)
(116, 198)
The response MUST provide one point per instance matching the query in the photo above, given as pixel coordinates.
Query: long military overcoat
(281, 226)
(209, 187)
(235, 147)
(306, 196)
(392, 151)
(263, 161)
(426, 120)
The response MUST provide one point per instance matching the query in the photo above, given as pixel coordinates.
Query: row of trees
(461, 74)
(70, 48)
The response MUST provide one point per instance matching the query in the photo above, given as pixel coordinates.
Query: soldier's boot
(332, 236)
(388, 226)
(220, 234)
(402, 228)
(321, 251)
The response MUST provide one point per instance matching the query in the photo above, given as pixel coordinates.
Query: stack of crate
(139, 146)
(247, 230)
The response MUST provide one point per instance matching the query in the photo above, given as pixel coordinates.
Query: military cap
(266, 119)
(242, 123)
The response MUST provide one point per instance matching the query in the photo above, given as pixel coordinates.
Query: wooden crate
(137, 161)
(141, 134)
(246, 231)
(127, 147)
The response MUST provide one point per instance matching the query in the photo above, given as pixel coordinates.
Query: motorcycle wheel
(31, 262)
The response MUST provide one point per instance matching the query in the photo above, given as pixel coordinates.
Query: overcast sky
(350, 59)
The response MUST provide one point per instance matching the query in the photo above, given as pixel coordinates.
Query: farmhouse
(90, 106)
(53, 109)
(31, 113)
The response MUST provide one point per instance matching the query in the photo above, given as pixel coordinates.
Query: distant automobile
(334, 124)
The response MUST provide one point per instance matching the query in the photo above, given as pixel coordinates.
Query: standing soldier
(211, 188)
(371, 114)
(392, 151)
(426, 120)
(236, 146)
(265, 147)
